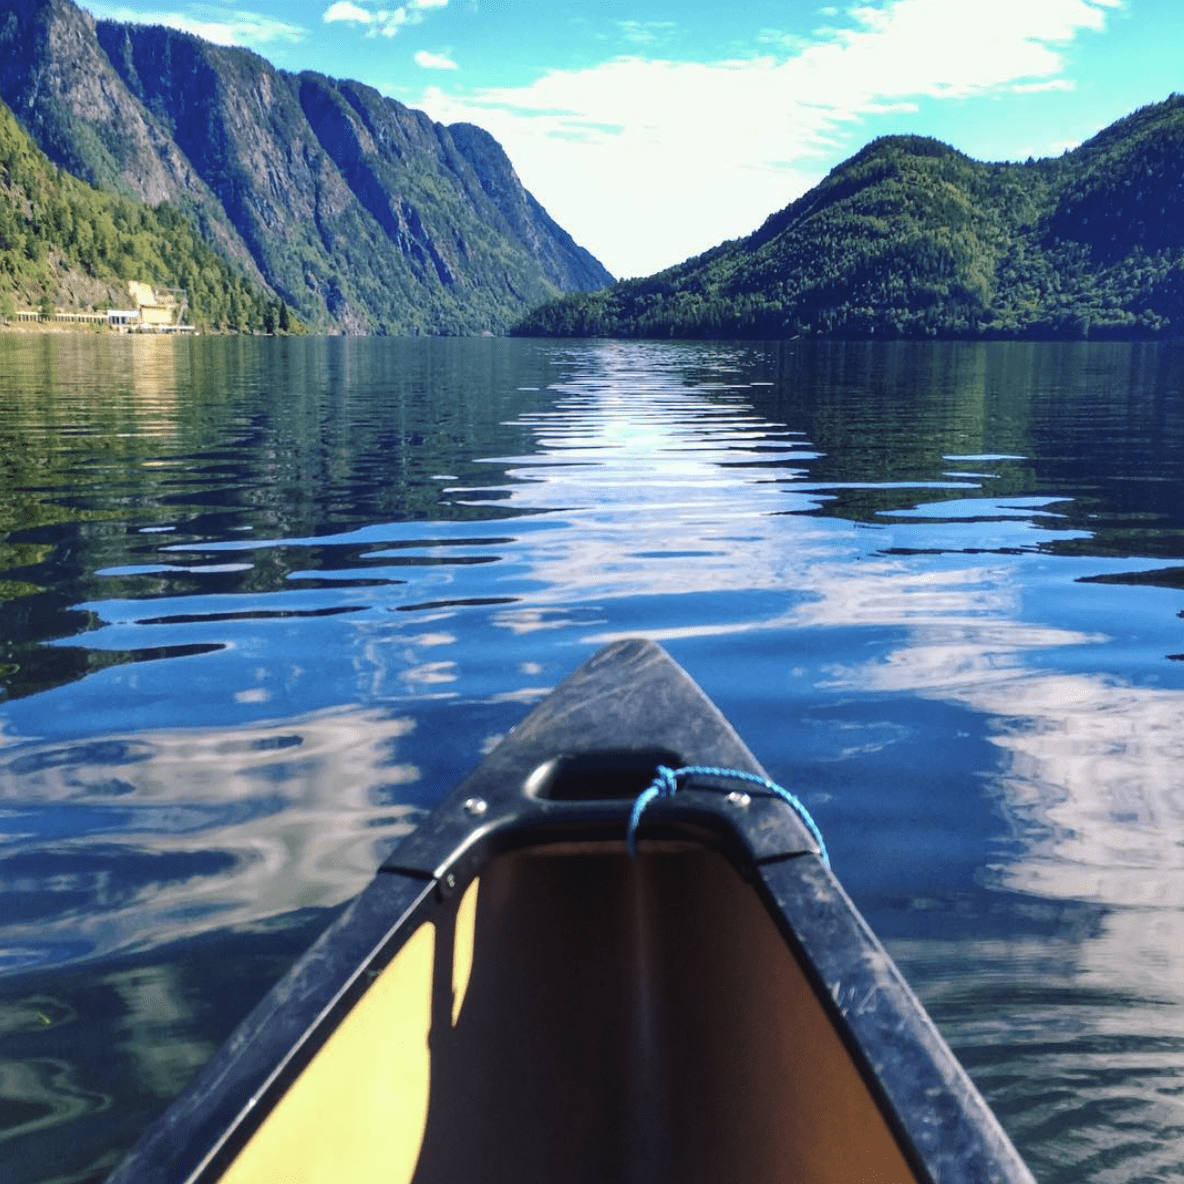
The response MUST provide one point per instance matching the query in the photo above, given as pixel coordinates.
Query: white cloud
(1035, 88)
(343, 10)
(648, 161)
(233, 28)
(387, 21)
(781, 39)
(645, 32)
(434, 61)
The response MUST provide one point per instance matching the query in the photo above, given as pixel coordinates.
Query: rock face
(567, 265)
(362, 214)
(60, 85)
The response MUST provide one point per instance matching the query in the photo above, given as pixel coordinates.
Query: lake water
(264, 601)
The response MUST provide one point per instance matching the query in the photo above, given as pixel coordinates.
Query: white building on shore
(157, 310)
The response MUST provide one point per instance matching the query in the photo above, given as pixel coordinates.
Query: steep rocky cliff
(61, 87)
(565, 264)
(362, 214)
(75, 247)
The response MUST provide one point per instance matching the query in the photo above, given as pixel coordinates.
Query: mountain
(73, 247)
(911, 238)
(362, 214)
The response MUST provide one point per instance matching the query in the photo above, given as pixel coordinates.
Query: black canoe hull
(516, 998)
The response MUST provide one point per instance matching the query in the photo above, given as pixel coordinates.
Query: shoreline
(96, 331)
(46, 327)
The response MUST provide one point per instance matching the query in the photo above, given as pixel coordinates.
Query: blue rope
(665, 785)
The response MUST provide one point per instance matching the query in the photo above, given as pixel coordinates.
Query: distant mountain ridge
(360, 213)
(911, 238)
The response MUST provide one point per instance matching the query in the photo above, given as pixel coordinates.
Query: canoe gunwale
(943, 1127)
(204, 1129)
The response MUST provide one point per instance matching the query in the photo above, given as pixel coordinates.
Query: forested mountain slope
(65, 242)
(362, 214)
(910, 237)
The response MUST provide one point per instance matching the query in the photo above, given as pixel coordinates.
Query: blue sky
(652, 130)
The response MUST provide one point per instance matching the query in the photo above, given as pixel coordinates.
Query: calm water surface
(263, 602)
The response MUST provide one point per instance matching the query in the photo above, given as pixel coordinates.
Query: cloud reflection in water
(133, 842)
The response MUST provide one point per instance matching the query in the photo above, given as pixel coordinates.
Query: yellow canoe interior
(578, 1016)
